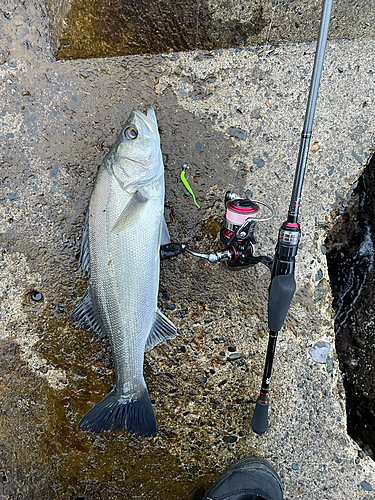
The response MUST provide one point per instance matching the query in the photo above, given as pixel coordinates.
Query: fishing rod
(238, 228)
(283, 284)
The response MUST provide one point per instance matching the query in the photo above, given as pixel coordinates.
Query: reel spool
(238, 228)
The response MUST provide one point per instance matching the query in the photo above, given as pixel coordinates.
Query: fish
(120, 251)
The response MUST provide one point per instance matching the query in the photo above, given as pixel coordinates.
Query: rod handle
(259, 422)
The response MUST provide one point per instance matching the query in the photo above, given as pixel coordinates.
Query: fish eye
(131, 132)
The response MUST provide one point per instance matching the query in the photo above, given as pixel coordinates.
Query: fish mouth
(148, 120)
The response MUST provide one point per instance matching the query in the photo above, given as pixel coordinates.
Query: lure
(186, 184)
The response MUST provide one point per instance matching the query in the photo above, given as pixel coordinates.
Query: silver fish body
(121, 251)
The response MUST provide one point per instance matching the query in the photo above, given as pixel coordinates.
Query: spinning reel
(237, 234)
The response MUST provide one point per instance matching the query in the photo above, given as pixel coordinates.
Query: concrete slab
(83, 28)
(58, 121)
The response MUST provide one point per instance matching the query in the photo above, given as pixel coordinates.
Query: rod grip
(259, 422)
(281, 295)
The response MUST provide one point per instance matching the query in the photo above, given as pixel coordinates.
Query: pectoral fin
(131, 213)
(164, 233)
(163, 237)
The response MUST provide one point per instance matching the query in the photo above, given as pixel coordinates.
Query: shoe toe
(249, 479)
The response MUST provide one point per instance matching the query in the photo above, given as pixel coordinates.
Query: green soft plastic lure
(186, 184)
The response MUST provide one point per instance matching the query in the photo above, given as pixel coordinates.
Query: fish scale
(125, 226)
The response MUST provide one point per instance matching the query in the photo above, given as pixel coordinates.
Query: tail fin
(114, 413)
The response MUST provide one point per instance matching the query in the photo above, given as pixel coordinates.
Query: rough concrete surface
(58, 119)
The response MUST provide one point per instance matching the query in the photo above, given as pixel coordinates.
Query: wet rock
(78, 371)
(319, 352)
(194, 469)
(230, 439)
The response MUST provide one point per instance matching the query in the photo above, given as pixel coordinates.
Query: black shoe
(251, 478)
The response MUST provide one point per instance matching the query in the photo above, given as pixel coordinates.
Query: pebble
(230, 439)
(330, 365)
(259, 162)
(255, 113)
(319, 275)
(294, 466)
(357, 157)
(12, 197)
(171, 307)
(234, 355)
(232, 348)
(182, 93)
(366, 486)
(237, 132)
(319, 352)
(194, 469)
(79, 371)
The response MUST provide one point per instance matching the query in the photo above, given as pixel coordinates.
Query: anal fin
(162, 329)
